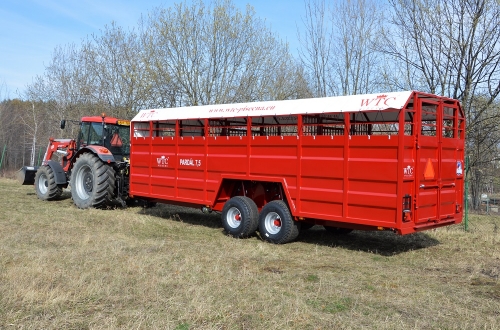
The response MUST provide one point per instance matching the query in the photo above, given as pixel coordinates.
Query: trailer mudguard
(285, 194)
(58, 172)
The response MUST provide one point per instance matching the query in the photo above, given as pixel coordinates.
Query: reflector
(429, 170)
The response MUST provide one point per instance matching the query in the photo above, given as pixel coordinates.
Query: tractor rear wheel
(92, 182)
(45, 184)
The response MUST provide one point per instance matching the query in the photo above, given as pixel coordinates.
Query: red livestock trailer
(389, 161)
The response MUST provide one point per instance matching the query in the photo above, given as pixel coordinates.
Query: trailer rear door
(439, 154)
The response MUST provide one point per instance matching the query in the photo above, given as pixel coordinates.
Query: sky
(30, 30)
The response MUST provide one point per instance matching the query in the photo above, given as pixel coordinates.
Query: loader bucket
(26, 175)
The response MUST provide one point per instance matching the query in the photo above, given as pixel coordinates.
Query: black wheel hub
(88, 182)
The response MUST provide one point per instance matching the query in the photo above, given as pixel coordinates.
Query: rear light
(406, 208)
(406, 216)
(458, 208)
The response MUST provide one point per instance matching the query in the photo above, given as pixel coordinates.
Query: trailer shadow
(377, 242)
(382, 243)
(188, 215)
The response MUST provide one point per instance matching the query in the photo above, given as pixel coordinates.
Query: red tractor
(95, 165)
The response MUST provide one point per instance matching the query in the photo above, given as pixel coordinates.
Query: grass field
(173, 268)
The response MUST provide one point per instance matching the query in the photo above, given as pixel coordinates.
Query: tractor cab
(112, 133)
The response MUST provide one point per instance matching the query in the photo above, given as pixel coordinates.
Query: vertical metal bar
(346, 153)
(249, 143)
(150, 149)
(439, 135)
(205, 160)
(298, 203)
(400, 158)
(466, 199)
(177, 138)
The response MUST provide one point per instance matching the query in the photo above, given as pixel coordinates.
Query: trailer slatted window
(461, 124)
(275, 126)
(409, 119)
(323, 124)
(448, 122)
(141, 129)
(374, 123)
(192, 127)
(164, 128)
(227, 127)
(429, 119)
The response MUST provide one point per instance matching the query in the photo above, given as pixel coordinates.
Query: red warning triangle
(116, 141)
(429, 170)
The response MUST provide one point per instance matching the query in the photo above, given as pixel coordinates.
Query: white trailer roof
(352, 103)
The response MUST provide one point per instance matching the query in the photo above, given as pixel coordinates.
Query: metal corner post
(466, 195)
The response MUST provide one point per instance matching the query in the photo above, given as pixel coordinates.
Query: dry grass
(172, 268)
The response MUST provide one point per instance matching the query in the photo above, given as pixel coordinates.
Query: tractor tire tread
(53, 190)
(104, 186)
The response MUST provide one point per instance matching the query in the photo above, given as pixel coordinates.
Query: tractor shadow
(382, 243)
(66, 194)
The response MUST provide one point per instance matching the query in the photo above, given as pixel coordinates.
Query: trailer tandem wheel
(240, 217)
(45, 184)
(276, 224)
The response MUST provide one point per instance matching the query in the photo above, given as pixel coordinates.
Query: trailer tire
(240, 217)
(337, 230)
(45, 184)
(276, 224)
(92, 182)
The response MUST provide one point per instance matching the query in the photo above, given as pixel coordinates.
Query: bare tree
(62, 90)
(20, 126)
(114, 61)
(188, 54)
(339, 46)
(453, 46)
(357, 23)
(316, 41)
(211, 54)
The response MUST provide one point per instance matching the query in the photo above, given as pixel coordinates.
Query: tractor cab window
(90, 134)
(95, 134)
(117, 139)
(114, 137)
(84, 135)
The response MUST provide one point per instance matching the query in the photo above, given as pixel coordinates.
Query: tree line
(197, 53)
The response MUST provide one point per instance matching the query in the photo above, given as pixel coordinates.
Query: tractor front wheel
(92, 182)
(45, 184)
